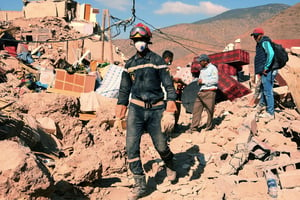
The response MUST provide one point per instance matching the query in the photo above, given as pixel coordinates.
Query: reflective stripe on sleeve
(132, 69)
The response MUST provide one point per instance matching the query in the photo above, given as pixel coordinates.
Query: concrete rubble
(50, 151)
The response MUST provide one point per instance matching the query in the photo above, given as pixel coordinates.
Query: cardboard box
(76, 82)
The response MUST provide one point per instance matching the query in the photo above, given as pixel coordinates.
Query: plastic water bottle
(272, 184)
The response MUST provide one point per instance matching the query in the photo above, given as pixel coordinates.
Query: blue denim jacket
(143, 77)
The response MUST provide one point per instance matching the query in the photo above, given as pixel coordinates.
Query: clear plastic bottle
(272, 184)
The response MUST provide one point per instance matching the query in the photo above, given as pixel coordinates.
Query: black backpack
(280, 57)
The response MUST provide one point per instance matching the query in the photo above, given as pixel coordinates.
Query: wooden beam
(65, 92)
(87, 116)
(29, 69)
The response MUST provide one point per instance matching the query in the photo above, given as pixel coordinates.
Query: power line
(122, 23)
(190, 40)
(49, 41)
(171, 39)
(197, 48)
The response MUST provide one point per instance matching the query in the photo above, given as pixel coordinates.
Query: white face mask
(140, 46)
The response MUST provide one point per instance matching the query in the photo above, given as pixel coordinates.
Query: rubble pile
(59, 28)
(49, 45)
(73, 152)
(80, 157)
(51, 152)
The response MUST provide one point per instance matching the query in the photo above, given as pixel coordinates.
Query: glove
(120, 115)
(167, 122)
(118, 125)
(121, 111)
(171, 106)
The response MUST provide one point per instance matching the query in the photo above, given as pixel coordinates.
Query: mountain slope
(248, 13)
(189, 40)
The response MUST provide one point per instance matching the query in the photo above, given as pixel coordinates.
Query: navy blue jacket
(260, 56)
(143, 78)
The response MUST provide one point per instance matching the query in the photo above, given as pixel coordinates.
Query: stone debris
(50, 152)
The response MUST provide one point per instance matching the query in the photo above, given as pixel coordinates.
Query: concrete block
(290, 179)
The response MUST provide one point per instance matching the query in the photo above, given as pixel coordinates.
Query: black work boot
(139, 189)
(168, 159)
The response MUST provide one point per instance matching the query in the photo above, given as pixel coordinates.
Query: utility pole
(110, 41)
(102, 34)
(106, 17)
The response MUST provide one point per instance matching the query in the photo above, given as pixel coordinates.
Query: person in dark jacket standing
(142, 78)
(168, 57)
(263, 67)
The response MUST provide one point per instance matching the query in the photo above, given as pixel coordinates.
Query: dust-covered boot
(170, 169)
(139, 189)
(171, 174)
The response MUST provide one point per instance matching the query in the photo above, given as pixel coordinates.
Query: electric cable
(170, 38)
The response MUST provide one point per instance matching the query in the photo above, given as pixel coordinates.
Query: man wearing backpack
(263, 62)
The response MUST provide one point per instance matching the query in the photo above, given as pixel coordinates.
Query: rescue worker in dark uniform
(141, 91)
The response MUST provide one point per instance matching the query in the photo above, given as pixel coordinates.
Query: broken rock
(22, 175)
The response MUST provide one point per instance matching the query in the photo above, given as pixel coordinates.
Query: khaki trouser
(204, 99)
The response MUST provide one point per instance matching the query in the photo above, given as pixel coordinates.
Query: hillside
(213, 34)
(247, 13)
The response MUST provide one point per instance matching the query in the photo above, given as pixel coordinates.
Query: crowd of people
(150, 98)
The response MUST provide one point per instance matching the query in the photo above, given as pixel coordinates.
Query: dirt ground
(87, 160)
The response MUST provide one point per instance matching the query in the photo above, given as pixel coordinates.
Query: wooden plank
(65, 92)
(29, 69)
(3, 106)
(86, 116)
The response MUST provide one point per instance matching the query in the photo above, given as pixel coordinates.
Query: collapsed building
(57, 130)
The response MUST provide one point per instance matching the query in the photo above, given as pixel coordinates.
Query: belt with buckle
(146, 104)
(208, 90)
